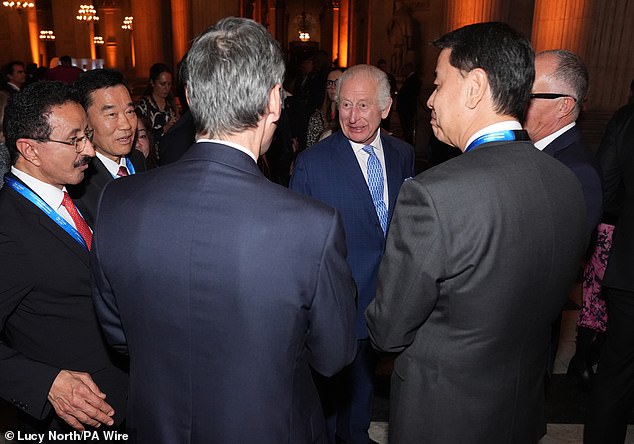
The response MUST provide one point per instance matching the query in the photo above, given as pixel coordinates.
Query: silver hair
(231, 69)
(571, 71)
(372, 72)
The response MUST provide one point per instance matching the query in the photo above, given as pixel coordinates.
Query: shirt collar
(111, 165)
(543, 143)
(50, 194)
(232, 145)
(500, 126)
(376, 143)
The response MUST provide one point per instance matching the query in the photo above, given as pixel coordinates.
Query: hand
(169, 124)
(77, 400)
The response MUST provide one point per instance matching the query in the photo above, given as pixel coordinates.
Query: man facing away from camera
(481, 252)
(224, 289)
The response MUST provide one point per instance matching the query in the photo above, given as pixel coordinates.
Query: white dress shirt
(362, 158)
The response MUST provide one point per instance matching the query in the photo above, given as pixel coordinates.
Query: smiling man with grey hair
(232, 287)
(359, 171)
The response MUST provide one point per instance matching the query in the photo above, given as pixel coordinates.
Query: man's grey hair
(573, 72)
(231, 69)
(371, 72)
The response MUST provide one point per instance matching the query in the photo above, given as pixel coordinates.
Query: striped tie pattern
(375, 184)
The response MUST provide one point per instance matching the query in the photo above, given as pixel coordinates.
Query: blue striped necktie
(375, 184)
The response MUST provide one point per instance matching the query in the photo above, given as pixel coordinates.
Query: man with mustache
(54, 364)
(107, 101)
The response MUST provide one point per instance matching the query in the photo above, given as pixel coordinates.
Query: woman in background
(144, 141)
(324, 121)
(158, 103)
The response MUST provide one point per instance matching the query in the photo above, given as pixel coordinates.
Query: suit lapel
(42, 219)
(58, 232)
(100, 175)
(394, 179)
(346, 161)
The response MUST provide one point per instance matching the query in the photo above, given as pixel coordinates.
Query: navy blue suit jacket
(86, 193)
(570, 149)
(329, 172)
(230, 290)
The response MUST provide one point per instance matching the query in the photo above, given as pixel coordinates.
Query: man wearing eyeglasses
(111, 115)
(559, 90)
(54, 365)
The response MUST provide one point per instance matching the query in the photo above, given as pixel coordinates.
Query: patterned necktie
(80, 223)
(123, 171)
(375, 184)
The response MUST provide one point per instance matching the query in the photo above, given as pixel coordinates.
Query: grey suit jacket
(480, 256)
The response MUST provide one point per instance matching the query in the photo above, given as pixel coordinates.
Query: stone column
(181, 27)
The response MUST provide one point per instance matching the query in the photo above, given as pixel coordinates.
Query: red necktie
(80, 223)
(123, 171)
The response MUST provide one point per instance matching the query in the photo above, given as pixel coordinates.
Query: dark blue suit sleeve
(592, 192)
(106, 305)
(299, 180)
(332, 341)
(104, 299)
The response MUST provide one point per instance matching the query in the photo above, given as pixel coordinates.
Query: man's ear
(274, 108)
(477, 86)
(386, 111)
(566, 107)
(28, 151)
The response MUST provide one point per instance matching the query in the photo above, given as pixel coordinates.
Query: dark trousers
(612, 397)
(347, 398)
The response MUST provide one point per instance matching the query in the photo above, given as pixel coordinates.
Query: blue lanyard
(128, 164)
(491, 137)
(38, 202)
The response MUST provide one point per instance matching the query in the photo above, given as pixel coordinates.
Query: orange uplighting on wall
(559, 24)
(335, 29)
(461, 13)
(344, 34)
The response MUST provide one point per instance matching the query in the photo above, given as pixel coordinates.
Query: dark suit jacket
(232, 288)
(86, 194)
(481, 255)
(570, 149)
(46, 311)
(177, 140)
(616, 155)
(329, 172)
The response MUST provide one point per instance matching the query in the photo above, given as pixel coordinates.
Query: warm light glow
(87, 13)
(304, 36)
(127, 23)
(47, 35)
(98, 40)
(18, 5)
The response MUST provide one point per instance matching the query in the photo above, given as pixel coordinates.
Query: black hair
(7, 69)
(504, 54)
(90, 81)
(28, 113)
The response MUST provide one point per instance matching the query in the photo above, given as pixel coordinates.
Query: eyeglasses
(550, 96)
(331, 83)
(78, 142)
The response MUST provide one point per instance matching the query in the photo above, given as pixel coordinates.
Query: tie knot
(369, 149)
(123, 171)
(66, 201)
